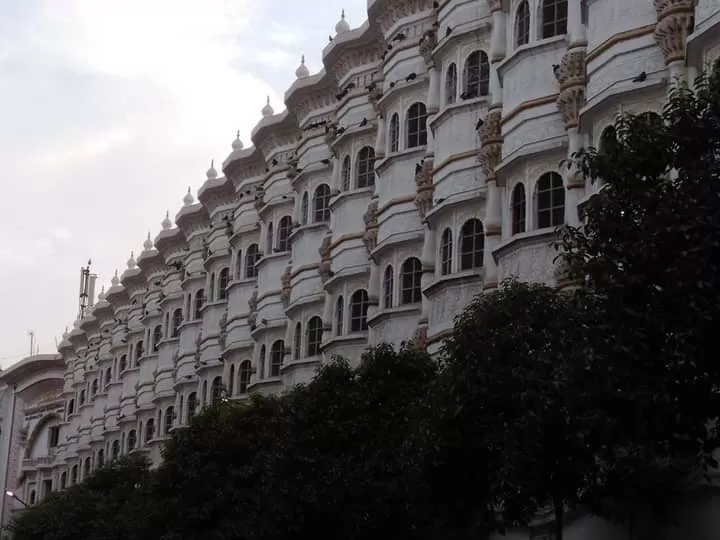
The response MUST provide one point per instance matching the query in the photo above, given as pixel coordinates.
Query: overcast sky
(109, 110)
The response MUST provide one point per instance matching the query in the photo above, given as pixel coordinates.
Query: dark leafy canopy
(650, 247)
(522, 400)
(107, 505)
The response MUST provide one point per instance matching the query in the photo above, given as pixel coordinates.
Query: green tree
(105, 506)
(649, 246)
(522, 399)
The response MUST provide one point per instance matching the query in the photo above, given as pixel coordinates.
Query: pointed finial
(166, 223)
(211, 173)
(237, 143)
(148, 245)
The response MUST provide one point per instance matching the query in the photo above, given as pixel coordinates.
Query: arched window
(238, 264)
(177, 321)
(451, 84)
(191, 405)
(63, 480)
(169, 419)
(199, 303)
(284, 230)
(476, 75)
(139, 351)
(269, 238)
(410, 280)
(74, 470)
(261, 363)
(157, 337)
(554, 18)
(231, 381)
(358, 311)
(123, 363)
(446, 252)
(346, 173)
(304, 209)
(87, 467)
(244, 376)
(472, 245)
(522, 24)
(276, 357)
(217, 389)
(149, 430)
(108, 377)
(115, 453)
(314, 337)
(321, 204)
(394, 134)
(550, 200)
(251, 258)
(388, 286)
(340, 316)
(416, 125)
(33, 496)
(82, 397)
(297, 353)
(204, 395)
(131, 440)
(366, 167)
(71, 407)
(211, 288)
(94, 387)
(518, 209)
(223, 280)
(101, 458)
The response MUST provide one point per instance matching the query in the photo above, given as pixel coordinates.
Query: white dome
(342, 26)
(101, 296)
(211, 173)
(115, 281)
(166, 223)
(148, 245)
(131, 264)
(188, 198)
(267, 110)
(237, 144)
(302, 71)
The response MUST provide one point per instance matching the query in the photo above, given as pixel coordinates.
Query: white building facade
(419, 168)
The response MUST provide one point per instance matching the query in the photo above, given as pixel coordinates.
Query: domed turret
(148, 245)
(302, 71)
(342, 26)
(188, 198)
(101, 296)
(267, 110)
(131, 264)
(211, 173)
(237, 144)
(166, 223)
(115, 281)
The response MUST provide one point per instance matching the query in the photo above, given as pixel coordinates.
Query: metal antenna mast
(87, 289)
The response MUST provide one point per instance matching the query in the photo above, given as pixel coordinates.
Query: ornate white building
(417, 169)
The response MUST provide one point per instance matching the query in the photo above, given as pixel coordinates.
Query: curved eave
(88, 323)
(77, 335)
(64, 344)
(222, 186)
(169, 239)
(102, 310)
(282, 121)
(131, 276)
(235, 157)
(191, 216)
(27, 367)
(300, 87)
(354, 38)
(116, 294)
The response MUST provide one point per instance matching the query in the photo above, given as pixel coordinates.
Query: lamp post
(12, 495)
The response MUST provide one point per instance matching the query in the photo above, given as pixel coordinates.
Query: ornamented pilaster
(286, 286)
(424, 187)
(572, 76)
(223, 329)
(675, 19)
(370, 217)
(490, 135)
(427, 44)
(259, 198)
(420, 338)
(253, 307)
(324, 268)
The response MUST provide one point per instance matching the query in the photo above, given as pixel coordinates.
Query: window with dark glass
(223, 281)
(477, 75)
(519, 205)
(554, 18)
(522, 24)
(416, 125)
(366, 167)
(314, 337)
(244, 376)
(346, 173)
(410, 279)
(321, 204)
(339, 316)
(388, 287)
(550, 201)
(359, 304)
(446, 252)
(284, 230)
(394, 133)
(251, 258)
(451, 84)
(472, 245)
(276, 357)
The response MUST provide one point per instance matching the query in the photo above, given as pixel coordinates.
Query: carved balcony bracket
(424, 187)
(286, 286)
(490, 135)
(253, 307)
(324, 268)
(370, 217)
(571, 74)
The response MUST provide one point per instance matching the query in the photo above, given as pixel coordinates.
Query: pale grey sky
(108, 112)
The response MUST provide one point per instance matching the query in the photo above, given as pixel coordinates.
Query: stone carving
(259, 198)
(325, 259)
(391, 12)
(490, 135)
(293, 170)
(572, 76)
(370, 217)
(223, 328)
(427, 44)
(420, 338)
(253, 305)
(374, 95)
(674, 24)
(286, 286)
(331, 133)
(424, 187)
(495, 5)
